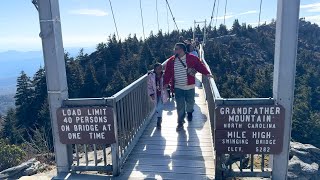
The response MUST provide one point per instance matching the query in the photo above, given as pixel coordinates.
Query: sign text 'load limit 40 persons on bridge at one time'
(86, 125)
(247, 129)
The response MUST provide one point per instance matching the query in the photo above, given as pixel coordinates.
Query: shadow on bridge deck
(168, 154)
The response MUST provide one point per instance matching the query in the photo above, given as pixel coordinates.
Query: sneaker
(159, 123)
(179, 127)
(182, 121)
(189, 117)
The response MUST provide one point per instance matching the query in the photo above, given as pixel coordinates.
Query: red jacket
(192, 62)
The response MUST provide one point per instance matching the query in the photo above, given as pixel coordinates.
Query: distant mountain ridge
(13, 62)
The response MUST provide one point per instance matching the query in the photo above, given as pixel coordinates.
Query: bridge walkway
(167, 154)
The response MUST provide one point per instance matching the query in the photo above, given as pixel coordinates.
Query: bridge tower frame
(283, 84)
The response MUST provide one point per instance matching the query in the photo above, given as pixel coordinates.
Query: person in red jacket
(181, 70)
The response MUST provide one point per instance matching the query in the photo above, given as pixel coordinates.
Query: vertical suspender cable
(217, 14)
(114, 20)
(225, 12)
(212, 14)
(168, 19)
(157, 15)
(260, 13)
(144, 36)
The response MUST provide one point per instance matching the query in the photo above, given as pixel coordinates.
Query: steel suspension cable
(225, 12)
(168, 19)
(217, 14)
(114, 20)
(157, 15)
(174, 19)
(144, 36)
(260, 13)
(212, 14)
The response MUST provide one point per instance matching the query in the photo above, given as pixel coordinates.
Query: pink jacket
(152, 89)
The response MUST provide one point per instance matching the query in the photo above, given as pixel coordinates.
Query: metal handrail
(123, 92)
(213, 100)
(132, 111)
(213, 85)
(119, 95)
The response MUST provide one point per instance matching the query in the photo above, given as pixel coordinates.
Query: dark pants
(185, 102)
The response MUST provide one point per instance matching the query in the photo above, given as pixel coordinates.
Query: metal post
(53, 52)
(115, 146)
(284, 75)
(194, 29)
(205, 32)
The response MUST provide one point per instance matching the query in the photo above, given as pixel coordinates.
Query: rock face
(27, 168)
(304, 162)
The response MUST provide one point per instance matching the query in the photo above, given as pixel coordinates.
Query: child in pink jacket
(156, 92)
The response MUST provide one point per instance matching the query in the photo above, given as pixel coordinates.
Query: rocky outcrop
(25, 169)
(304, 162)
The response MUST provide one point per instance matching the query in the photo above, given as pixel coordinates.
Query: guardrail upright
(222, 168)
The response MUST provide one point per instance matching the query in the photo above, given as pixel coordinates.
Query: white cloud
(226, 17)
(315, 19)
(89, 12)
(248, 12)
(231, 15)
(315, 7)
(310, 5)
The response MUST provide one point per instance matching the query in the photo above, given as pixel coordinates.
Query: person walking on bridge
(181, 69)
(156, 91)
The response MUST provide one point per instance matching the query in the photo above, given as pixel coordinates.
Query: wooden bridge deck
(168, 154)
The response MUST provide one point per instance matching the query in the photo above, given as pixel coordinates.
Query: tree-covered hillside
(241, 59)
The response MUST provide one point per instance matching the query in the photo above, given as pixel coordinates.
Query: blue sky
(88, 22)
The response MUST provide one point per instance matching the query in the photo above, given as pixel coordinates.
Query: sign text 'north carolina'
(249, 129)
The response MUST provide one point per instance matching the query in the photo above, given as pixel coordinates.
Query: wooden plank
(172, 147)
(178, 163)
(197, 126)
(187, 128)
(192, 127)
(173, 132)
(196, 121)
(170, 168)
(180, 152)
(168, 154)
(174, 139)
(135, 140)
(137, 175)
(176, 157)
(172, 125)
(175, 136)
(178, 143)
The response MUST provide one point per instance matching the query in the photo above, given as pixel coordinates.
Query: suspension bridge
(136, 150)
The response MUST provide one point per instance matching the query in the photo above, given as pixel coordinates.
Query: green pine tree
(24, 99)
(90, 88)
(9, 130)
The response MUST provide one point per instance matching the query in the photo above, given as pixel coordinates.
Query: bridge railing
(133, 111)
(231, 165)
